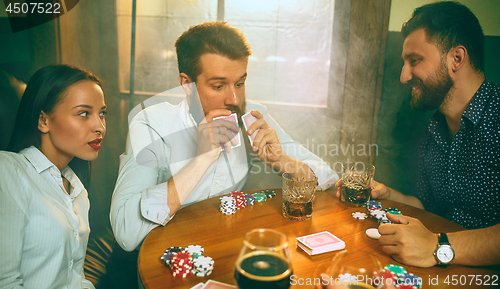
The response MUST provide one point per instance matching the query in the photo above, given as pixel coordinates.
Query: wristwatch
(444, 253)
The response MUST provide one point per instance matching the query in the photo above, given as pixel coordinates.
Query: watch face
(445, 254)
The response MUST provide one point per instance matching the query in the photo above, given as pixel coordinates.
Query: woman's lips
(95, 144)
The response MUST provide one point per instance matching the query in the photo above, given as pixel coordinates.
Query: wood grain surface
(222, 236)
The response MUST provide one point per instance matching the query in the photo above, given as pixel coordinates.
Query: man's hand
(214, 134)
(266, 144)
(379, 190)
(408, 241)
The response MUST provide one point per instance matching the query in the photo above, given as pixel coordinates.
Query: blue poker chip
(374, 204)
(410, 279)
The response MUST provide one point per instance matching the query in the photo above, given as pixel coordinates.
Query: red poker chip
(385, 276)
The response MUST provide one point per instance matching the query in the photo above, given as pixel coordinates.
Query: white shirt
(162, 140)
(43, 230)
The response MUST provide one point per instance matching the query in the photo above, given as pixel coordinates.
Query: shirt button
(76, 233)
(218, 182)
(70, 264)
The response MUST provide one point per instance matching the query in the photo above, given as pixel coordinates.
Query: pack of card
(320, 243)
(233, 118)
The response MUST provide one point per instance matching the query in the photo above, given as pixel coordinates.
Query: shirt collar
(37, 159)
(41, 163)
(474, 110)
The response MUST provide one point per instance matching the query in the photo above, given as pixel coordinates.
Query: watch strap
(443, 239)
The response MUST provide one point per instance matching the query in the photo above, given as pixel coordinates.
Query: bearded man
(459, 167)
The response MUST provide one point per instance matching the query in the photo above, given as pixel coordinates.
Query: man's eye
(102, 113)
(217, 87)
(240, 84)
(84, 113)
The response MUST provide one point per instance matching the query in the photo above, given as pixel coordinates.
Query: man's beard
(434, 90)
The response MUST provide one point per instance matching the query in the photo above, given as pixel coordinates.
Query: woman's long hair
(42, 93)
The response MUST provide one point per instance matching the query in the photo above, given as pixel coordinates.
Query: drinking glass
(264, 261)
(357, 180)
(355, 269)
(298, 195)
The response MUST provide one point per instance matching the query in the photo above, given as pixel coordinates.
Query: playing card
(320, 243)
(233, 118)
(248, 119)
(198, 286)
(211, 284)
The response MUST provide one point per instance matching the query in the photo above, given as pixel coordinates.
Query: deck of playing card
(212, 284)
(248, 119)
(233, 118)
(320, 243)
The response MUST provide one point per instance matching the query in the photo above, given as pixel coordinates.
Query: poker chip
(373, 233)
(236, 193)
(249, 199)
(227, 205)
(410, 279)
(182, 264)
(165, 258)
(377, 214)
(382, 277)
(393, 211)
(383, 222)
(188, 261)
(396, 269)
(174, 249)
(373, 205)
(196, 250)
(269, 194)
(260, 197)
(359, 215)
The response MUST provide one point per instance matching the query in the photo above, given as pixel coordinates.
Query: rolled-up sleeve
(139, 202)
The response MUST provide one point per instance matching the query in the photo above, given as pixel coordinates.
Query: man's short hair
(449, 24)
(211, 37)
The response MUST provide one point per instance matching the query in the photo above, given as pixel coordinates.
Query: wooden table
(222, 237)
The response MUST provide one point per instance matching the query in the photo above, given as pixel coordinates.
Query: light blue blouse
(43, 230)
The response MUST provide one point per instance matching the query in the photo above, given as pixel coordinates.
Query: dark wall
(400, 127)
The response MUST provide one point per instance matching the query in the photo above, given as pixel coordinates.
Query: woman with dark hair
(44, 206)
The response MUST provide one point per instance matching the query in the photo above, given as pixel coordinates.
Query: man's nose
(406, 74)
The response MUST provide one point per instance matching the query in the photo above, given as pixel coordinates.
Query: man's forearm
(397, 196)
(478, 247)
(183, 183)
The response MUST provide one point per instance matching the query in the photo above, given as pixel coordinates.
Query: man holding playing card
(180, 154)
(459, 168)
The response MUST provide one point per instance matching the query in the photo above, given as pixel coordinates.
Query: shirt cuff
(327, 178)
(154, 205)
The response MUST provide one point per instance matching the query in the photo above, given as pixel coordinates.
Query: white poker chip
(359, 215)
(373, 233)
(377, 213)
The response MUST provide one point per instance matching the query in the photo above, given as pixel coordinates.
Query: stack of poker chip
(249, 199)
(196, 250)
(385, 277)
(203, 266)
(393, 211)
(240, 199)
(373, 205)
(269, 194)
(227, 205)
(260, 197)
(167, 256)
(409, 281)
(182, 264)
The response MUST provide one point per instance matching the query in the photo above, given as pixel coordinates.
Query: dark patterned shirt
(459, 178)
